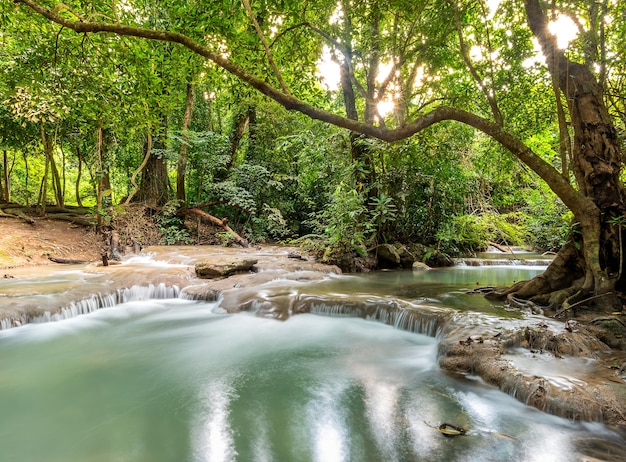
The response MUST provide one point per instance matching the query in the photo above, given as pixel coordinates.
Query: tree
(590, 266)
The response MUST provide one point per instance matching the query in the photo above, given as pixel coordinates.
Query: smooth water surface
(446, 287)
(171, 380)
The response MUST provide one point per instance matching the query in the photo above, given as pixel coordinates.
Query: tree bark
(596, 162)
(133, 178)
(154, 189)
(184, 145)
(47, 149)
(240, 123)
(6, 187)
(56, 182)
(216, 221)
(79, 174)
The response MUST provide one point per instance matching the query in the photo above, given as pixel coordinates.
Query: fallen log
(216, 221)
(500, 247)
(67, 261)
(8, 213)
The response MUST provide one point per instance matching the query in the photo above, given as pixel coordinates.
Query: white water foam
(98, 301)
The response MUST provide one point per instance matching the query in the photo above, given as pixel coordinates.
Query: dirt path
(24, 244)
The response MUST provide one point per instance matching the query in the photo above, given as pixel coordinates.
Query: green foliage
(548, 221)
(382, 212)
(172, 226)
(473, 232)
(343, 222)
(289, 175)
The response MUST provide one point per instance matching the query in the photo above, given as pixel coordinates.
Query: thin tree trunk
(27, 176)
(2, 191)
(56, 182)
(7, 177)
(252, 133)
(184, 145)
(240, 123)
(99, 191)
(216, 221)
(133, 179)
(78, 176)
(47, 148)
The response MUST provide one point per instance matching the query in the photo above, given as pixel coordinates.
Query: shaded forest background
(119, 131)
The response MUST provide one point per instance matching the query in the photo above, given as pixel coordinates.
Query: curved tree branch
(576, 201)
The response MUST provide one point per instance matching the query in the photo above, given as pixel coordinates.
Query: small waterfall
(501, 261)
(14, 321)
(336, 310)
(412, 319)
(96, 302)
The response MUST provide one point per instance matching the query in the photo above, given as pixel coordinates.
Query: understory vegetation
(103, 121)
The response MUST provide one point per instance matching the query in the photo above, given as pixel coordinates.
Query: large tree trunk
(154, 189)
(591, 269)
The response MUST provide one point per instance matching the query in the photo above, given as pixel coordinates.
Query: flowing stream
(176, 380)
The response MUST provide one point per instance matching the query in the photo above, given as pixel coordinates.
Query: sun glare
(564, 29)
(385, 107)
(328, 71)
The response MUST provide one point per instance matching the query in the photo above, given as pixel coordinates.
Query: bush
(474, 232)
(548, 221)
(172, 226)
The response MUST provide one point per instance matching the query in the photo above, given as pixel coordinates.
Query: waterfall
(501, 261)
(336, 310)
(410, 319)
(96, 302)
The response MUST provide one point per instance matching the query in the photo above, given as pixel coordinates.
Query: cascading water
(147, 375)
(166, 380)
(98, 301)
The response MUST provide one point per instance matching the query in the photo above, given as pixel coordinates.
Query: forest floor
(24, 244)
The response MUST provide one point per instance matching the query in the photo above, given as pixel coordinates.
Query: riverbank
(25, 244)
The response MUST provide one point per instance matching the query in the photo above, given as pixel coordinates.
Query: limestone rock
(218, 269)
(419, 266)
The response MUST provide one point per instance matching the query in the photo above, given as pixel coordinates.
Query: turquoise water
(172, 380)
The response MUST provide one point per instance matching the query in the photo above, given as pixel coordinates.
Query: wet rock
(406, 257)
(611, 331)
(388, 256)
(419, 266)
(201, 292)
(210, 270)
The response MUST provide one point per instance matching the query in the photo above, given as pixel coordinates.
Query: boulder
(387, 255)
(219, 269)
(419, 266)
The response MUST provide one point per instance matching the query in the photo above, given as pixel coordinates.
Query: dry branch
(216, 221)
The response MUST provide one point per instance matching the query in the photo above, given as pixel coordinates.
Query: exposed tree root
(561, 288)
